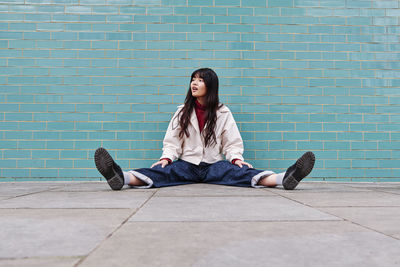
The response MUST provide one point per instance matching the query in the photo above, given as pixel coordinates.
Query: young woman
(200, 133)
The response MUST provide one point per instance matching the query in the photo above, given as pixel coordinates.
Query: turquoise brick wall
(320, 75)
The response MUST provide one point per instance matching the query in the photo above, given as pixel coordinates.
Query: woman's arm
(232, 143)
(172, 144)
(240, 163)
(162, 162)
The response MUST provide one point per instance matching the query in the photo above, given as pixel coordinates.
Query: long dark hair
(212, 105)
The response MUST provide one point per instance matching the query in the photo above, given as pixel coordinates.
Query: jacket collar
(194, 121)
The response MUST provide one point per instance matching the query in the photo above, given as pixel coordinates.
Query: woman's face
(198, 87)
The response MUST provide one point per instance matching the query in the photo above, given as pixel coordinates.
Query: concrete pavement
(87, 224)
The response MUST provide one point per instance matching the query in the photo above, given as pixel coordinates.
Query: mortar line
(115, 230)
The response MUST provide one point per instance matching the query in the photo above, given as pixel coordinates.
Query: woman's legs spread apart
(226, 173)
(182, 172)
(177, 173)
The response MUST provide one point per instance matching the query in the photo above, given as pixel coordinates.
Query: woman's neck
(201, 101)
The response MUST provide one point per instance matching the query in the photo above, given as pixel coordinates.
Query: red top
(200, 114)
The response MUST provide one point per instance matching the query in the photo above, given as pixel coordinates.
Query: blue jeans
(182, 172)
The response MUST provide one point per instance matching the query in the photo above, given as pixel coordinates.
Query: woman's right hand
(162, 162)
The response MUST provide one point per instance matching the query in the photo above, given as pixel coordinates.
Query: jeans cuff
(258, 177)
(143, 178)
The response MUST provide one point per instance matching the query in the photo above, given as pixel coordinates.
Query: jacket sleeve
(172, 144)
(232, 143)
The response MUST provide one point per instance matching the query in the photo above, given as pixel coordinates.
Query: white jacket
(191, 149)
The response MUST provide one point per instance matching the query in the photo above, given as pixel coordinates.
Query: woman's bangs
(198, 74)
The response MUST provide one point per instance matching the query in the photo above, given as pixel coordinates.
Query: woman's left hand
(240, 163)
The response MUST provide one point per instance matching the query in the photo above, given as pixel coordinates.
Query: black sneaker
(109, 169)
(295, 173)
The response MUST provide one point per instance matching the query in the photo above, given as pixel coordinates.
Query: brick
(254, 3)
(254, 127)
(313, 145)
(364, 163)
(278, 145)
(200, 19)
(227, 2)
(337, 145)
(200, 2)
(333, 127)
(298, 136)
(360, 145)
(73, 154)
(309, 126)
(159, 10)
(349, 136)
(280, 3)
(16, 173)
(18, 116)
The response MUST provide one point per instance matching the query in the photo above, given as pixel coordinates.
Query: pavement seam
(84, 208)
(236, 221)
(362, 226)
(214, 196)
(28, 194)
(307, 205)
(388, 192)
(115, 230)
(343, 219)
(357, 206)
(41, 258)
